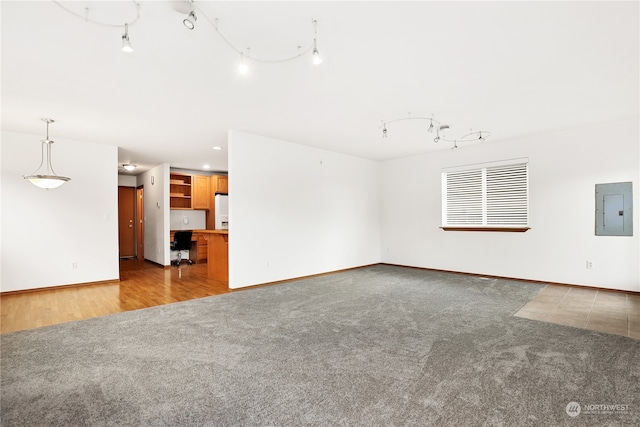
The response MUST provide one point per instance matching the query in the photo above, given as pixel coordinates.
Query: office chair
(181, 242)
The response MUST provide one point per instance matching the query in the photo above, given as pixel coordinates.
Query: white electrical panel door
(614, 209)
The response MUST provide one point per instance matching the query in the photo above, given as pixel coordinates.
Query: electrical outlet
(589, 264)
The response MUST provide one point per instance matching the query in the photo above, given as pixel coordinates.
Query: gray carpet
(378, 346)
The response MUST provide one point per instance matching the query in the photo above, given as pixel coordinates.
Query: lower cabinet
(201, 249)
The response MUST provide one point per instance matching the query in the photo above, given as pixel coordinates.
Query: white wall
(563, 170)
(184, 219)
(127, 181)
(156, 214)
(297, 211)
(45, 231)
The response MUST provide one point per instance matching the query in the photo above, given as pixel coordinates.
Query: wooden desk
(218, 254)
(198, 252)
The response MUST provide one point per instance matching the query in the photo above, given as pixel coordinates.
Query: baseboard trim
(293, 279)
(277, 282)
(542, 282)
(58, 287)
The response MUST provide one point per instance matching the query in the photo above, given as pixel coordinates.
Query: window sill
(501, 229)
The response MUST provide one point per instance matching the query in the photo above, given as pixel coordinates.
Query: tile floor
(604, 311)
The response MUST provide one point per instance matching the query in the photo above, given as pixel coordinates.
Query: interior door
(126, 224)
(140, 221)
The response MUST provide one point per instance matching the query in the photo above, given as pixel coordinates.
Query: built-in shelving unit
(179, 191)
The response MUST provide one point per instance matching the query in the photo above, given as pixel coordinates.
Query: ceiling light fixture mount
(440, 130)
(129, 167)
(48, 179)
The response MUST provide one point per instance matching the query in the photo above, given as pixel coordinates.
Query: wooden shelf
(180, 191)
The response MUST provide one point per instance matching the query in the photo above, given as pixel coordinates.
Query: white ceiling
(512, 68)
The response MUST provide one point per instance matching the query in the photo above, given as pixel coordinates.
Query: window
(492, 197)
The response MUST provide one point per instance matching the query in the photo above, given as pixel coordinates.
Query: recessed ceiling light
(217, 147)
(206, 166)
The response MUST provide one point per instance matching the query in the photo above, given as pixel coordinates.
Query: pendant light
(48, 179)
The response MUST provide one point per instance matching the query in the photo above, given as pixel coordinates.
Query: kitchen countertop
(212, 231)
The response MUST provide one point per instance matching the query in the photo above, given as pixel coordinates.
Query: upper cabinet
(195, 191)
(219, 184)
(180, 191)
(201, 192)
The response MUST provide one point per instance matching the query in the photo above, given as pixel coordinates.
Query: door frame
(140, 223)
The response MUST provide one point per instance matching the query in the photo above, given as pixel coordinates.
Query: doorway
(126, 224)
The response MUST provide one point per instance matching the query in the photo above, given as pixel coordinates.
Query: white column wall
(156, 214)
(296, 211)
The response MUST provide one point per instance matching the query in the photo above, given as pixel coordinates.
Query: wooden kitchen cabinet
(201, 198)
(220, 184)
(201, 247)
(179, 191)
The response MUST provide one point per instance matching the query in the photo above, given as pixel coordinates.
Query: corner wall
(564, 167)
(296, 211)
(45, 231)
(156, 214)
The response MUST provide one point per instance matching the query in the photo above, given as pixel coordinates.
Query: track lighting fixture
(243, 68)
(440, 129)
(126, 44)
(317, 60)
(48, 179)
(190, 20)
(188, 7)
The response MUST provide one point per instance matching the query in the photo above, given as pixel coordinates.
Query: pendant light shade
(46, 178)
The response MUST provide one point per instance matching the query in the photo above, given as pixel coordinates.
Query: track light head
(243, 68)
(317, 60)
(190, 21)
(126, 43)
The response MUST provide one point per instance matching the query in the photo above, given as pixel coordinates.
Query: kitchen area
(199, 203)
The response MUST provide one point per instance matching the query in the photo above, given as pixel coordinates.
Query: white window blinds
(491, 196)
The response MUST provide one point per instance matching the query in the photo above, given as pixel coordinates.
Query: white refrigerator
(222, 212)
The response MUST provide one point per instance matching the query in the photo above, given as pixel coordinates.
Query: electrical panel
(614, 209)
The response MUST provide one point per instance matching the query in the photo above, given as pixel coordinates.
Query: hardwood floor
(142, 284)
